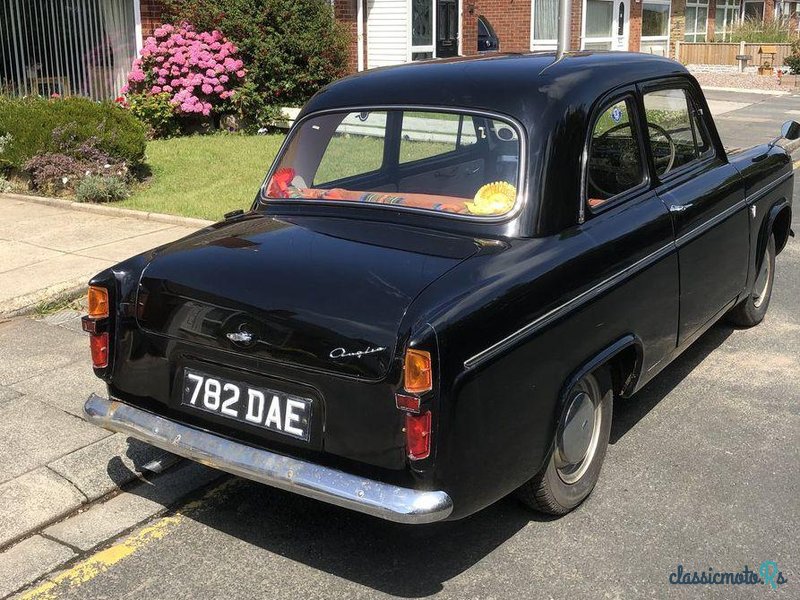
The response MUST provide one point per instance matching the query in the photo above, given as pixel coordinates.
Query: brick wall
(511, 20)
(576, 25)
(712, 14)
(677, 24)
(151, 16)
(346, 12)
(635, 27)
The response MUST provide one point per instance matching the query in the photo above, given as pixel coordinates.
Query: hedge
(31, 123)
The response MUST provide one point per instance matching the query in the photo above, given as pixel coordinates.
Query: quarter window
(615, 157)
(676, 136)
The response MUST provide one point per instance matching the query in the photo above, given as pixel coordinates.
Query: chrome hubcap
(578, 432)
(762, 283)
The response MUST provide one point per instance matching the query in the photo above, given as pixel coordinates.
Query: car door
(631, 232)
(706, 201)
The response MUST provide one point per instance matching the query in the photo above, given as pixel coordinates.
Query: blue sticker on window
(616, 114)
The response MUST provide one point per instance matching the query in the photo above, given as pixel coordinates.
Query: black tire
(551, 491)
(751, 311)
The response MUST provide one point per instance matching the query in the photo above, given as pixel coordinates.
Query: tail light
(96, 324)
(418, 435)
(417, 381)
(99, 345)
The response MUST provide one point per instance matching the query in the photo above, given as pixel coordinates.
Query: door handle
(679, 207)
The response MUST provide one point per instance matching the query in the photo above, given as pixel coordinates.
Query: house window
(726, 16)
(545, 23)
(790, 9)
(754, 11)
(599, 25)
(696, 20)
(73, 47)
(655, 27)
(422, 28)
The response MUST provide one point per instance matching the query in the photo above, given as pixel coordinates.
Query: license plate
(262, 407)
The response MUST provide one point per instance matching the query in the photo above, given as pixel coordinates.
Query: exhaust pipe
(564, 18)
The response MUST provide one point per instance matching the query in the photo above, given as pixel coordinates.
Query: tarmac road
(703, 471)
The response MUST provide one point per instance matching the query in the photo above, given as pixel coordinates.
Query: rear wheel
(580, 446)
(753, 308)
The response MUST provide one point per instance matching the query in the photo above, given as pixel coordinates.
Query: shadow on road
(401, 560)
(628, 412)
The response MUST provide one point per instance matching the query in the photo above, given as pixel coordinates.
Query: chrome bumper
(375, 498)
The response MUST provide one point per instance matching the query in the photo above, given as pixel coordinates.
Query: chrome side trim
(768, 188)
(715, 220)
(383, 500)
(575, 302)
(601, 287)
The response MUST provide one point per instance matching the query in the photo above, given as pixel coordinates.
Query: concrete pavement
(51, 249)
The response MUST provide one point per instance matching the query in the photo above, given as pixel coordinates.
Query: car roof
(519, 85)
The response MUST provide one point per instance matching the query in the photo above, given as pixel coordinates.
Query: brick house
(387, 32)
(86, 47)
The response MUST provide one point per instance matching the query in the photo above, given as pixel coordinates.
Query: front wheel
(580, 446)
(751, 311)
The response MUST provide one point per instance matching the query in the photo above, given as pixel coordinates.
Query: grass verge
(204, 176)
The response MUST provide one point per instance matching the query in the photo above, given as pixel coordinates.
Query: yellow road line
(102, 561)
(796, 164)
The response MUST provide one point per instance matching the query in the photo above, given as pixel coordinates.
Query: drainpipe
(564, 18)
(360, 33)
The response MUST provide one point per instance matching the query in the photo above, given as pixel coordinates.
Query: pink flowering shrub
(200, 72)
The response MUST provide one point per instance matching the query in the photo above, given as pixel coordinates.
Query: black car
(451, 271)
(487, 38)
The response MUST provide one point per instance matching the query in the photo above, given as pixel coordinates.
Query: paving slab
(33, 500)
(14, 255)
(33, 433)
(66, 387)
(63, 268)
(28, 561)
(104, 521)
(112, 462)
(29, 348)
(120, 250)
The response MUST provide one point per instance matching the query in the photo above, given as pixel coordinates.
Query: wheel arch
(780, 221)
(623, 357)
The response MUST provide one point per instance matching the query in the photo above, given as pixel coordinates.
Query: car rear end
(342, 415)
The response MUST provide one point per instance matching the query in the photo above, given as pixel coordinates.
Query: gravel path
(748, 81)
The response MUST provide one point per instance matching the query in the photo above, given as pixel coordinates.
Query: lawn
(204, 176)
(208, 176)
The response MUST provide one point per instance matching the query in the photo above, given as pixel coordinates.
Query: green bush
(156, 112)
(100, 188)
(291, 48)
(32, 121)
(793, 60)
(769, 31)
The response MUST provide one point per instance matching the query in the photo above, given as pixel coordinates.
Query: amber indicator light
(417, 372)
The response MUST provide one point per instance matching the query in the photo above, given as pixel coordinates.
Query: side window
(427, 134)
(615, 157)
(676, 133)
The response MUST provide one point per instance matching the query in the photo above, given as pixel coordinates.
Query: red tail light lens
(99, 345)
(418, 435)
(406, 402)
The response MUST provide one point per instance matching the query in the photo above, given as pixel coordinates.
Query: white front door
(606, 24)
(621, 24)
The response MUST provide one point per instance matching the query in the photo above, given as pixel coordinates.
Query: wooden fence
(722, 53)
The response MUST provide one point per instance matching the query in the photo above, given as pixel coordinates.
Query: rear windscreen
(449, 162)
